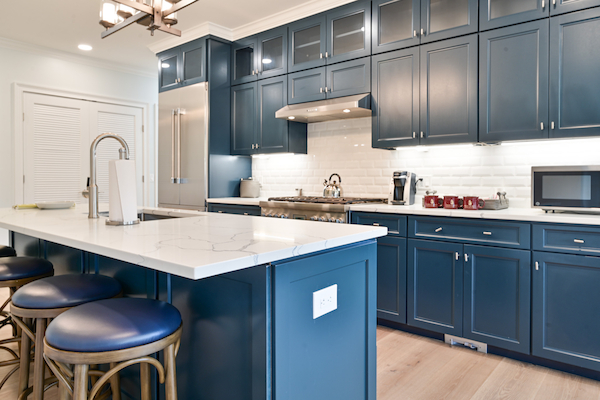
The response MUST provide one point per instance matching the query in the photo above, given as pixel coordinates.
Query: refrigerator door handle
(180, 112)
(173, 112)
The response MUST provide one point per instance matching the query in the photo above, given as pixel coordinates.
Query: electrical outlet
(426, 182)
(324, 301)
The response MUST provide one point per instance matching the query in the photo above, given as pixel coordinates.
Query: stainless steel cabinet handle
(252, 146)
(320, 90)
(457, 255)
(414, 135)
(421, 135)
(438, 229)
(579, 241)
(542, 125)
(415, 33)
(245, 213)
(553, 2)
(253, 72)
(552, 125)
(537, 266)
(180, 112)
(220, 211)
(257, 145)
(487, 233)
(173, 146)
(422, 32)
(326, 89)
(543, 4)
(466, 257)
(320, 55)
(375, 224)
(326, 54)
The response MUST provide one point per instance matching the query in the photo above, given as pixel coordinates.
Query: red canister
(452, 202)
(430, 200)
(473, 203)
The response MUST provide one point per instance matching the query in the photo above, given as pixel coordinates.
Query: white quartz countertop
(515, 214)
(195, 247)
(242, 201)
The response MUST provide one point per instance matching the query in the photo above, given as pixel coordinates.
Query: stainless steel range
(325, 209)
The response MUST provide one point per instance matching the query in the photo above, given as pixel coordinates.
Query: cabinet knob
(438, 229)
(487, 233)
(375, 224)
(422, 32)
(579, 241)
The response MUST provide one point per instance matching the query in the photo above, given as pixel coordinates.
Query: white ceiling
(62, 25)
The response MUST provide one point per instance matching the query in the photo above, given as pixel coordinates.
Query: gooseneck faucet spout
(123, 154)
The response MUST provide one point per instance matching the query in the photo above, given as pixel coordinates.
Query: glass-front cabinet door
(498, 13)
(168, 70)
(348, 35)
(396, 24)
(443, 19)
(308, 43)
(272, 53)
(193, 55)
(244, 61)
(565, 6)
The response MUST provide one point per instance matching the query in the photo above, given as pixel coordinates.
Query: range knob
(284, 216)
(323, 219)
(339, 221)
(269, 215)
(313, 219)
(331, 219)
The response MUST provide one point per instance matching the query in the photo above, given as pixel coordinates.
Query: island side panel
(334, 355)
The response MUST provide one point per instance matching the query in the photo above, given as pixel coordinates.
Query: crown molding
(69, 57)
(207, 28)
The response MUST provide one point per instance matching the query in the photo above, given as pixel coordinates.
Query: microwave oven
(571, 188)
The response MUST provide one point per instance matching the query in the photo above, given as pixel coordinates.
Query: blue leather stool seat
(12, 268)
(66, 291)
(113, 324)
(6, 251)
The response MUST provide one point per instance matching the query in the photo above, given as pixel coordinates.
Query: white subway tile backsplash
(344, 147)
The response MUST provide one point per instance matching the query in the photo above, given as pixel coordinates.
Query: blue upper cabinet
(243, 60)
(565, 6)
(499, 13)
(395, 24)
(307, 43)
(449, 111)
(183, 65)
(443, 19)
(272, 53)
(574, 78)
(307, 86)
(349, 32)
(513, 83)
(244, 119)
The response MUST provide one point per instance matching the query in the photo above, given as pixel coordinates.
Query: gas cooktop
(328, 200)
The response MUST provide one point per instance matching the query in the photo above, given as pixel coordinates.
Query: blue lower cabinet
(497, 297)
(391, 279)
(435, 286)
(234, 209)
(565, 309)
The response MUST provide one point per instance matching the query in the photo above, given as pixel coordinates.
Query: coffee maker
(403, 188)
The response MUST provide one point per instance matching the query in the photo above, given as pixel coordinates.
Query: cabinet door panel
(513, 83)
(499, 13)
(395, 24)
(443, 19)
(497, 297)
(349, 78)
(449, 91)
(244, 61)
(306, 86)
(565, 6)
(243, 118)
(574, 78)
(307, 43)
(391, 279)
(272, 53)
(168, 70)
(349, 32)
(565, 309)
(273, 132)
(435, 286)
(193, 57)
(395, 98)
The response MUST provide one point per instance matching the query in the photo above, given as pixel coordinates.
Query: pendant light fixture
(155, 14)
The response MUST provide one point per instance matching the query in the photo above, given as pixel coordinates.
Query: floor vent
(468, 343)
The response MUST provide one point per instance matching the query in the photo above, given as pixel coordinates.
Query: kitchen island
(244, 286)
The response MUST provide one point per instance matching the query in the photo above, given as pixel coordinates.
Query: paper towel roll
(122, 193)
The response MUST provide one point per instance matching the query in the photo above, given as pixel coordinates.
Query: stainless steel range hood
(328, 110)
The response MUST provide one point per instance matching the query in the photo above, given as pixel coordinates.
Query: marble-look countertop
(242, 201)
(195, 247)
(515, 214)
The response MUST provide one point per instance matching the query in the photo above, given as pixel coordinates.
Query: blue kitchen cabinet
(307, 43)
(574, 78)
(243, 60)
(565, 6)
(395, 98)
(338, 80)
(449, 91)
(565, 309)
(260, 56)
(391, 279)
(234, 209)
(443, 19)
(254, 126)
(562, 238)
(499, 13)
(183, 65)
(395, 25)
(513, 82)
(435, 286)
(497, 297)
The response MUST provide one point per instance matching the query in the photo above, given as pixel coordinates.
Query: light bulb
(267, 61)
(170, 19)
(108, 14)
(125, 11)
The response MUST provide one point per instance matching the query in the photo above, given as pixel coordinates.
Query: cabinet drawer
(396, 224)
(566, 239)
(496, 233)
(234, 209)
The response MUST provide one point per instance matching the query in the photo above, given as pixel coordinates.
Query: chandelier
(155, 14)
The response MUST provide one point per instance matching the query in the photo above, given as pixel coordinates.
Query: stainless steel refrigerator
(183, 147)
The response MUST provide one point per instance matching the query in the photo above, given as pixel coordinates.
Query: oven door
(566, 188)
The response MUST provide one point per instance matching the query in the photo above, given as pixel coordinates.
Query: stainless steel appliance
(183, 147)
(249, 188)
(357, 106)
(571, 188)
(323, 209)
(332, 189)
(403, 188)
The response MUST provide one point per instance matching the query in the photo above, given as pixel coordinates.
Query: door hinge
(143, 179)
(23, 117)
(23, 178)
(142, 128)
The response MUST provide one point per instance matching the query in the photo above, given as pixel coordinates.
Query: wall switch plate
(324, 301)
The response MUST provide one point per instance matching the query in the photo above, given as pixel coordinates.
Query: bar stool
(40, 301)
(120, 332)
(14, 273)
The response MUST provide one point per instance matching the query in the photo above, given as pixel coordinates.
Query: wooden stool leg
(115, 384)
(145, 381)
(39, 364)
(25, 359)
(171, 380)
(80, 389)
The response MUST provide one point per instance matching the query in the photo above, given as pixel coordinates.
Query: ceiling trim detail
(261, 25)
(62, 55)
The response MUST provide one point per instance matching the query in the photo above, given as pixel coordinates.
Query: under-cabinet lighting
(278, 155)
(267, 61)
(292, 117)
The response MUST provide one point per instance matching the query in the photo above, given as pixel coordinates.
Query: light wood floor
(411, 367)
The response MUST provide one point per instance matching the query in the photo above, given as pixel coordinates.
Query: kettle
(332, 189)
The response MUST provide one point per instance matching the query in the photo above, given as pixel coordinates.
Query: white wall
(345, 147)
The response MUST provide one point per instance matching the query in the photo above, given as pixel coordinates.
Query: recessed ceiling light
(165, 65)
(291, 117)
(346, 110)
(84, 47)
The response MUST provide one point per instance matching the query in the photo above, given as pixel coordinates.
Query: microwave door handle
(173, 145)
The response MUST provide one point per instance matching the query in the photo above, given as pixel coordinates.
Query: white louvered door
(56, 133)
